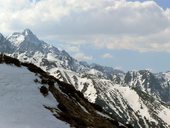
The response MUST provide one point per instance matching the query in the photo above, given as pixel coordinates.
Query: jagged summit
(27, 32)
(27, 36)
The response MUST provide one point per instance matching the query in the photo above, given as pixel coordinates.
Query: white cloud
(71, 48)
(111, 24)
(107, 56)
(156, 42)
(82, 57)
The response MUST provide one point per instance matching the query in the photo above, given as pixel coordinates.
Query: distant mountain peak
(26, 36)
(27, 32)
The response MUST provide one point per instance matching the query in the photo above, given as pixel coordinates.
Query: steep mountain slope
(138, 97)
(21, 103)
(35, 99)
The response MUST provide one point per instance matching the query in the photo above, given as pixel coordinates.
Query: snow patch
(16, 40)
(22, 104)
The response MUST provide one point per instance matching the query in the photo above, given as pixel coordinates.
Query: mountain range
(31, 98)
(140, 98)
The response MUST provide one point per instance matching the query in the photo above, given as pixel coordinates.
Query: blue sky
(162, 3)
(131, 60)
(124, 34)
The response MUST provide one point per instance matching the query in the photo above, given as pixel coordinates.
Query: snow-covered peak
(27, 36)
(16, 39)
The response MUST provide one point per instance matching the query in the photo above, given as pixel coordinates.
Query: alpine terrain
(30, 98)
(140, 98)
